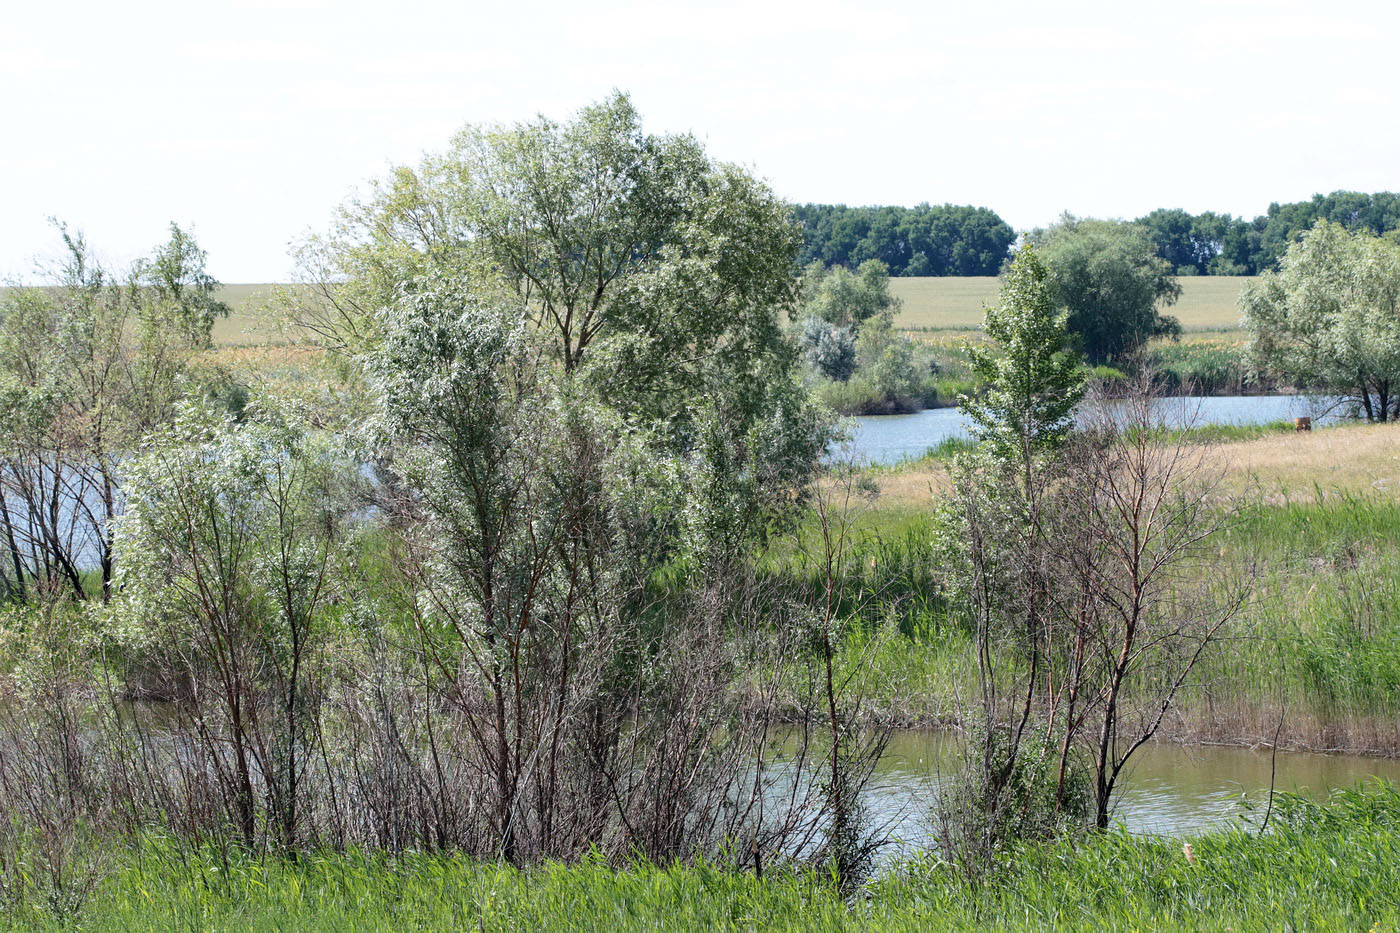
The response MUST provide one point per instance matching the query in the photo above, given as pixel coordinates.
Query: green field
(250, 321)
(951, 303)
(934, 303)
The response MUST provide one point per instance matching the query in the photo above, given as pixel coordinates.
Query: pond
(1169, 789)
(887, 439)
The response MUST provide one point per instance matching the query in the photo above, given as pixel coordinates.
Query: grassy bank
(1332, 866)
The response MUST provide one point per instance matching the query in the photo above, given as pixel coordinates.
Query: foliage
(651, 275)
(966, 241)
(1329, 319)
(227, 553)
(1031, 383)
(831, 350)
(1014, 796)
(850, 339)
(537, 531)
(657, 273)
(887, 360)
(923, 240)
(181, 289)
(88, 366)
(1107, 275)
(848, 299)
(1193, 245)
(1067, 553)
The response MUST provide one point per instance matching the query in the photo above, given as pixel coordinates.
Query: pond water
(887, 439)
(1169, 789)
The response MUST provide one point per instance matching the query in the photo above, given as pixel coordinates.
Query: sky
(249, 121)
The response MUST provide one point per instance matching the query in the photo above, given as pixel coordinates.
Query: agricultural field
(252, 320)
(1207, 303)
(951, 303)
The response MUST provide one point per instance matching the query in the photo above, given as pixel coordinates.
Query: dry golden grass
(280, 367)
(1349, 459)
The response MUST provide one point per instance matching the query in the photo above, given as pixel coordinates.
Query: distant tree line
(1219, 244)
(923, 240)
(963, 240)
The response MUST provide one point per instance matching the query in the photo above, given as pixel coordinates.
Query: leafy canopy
(1032, 383)
(1108, 275)
(657, 274)
(844, 298)
(1330, 317)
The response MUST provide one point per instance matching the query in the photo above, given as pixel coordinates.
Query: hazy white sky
(250, 120)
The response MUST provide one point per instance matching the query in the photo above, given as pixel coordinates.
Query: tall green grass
(1319, 866)
(1321, 632)
(1318, 637)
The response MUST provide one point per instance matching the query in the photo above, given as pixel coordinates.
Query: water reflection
(1169, 789)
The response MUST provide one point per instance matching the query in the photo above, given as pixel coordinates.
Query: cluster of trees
(1106, 275)
(1220, 244)
(844, 323)
(965, 240)
(504, 599)
(90, 364)
(924, 240)
(511, 597)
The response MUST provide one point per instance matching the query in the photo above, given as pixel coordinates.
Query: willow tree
(618, 243)
(1329, 319)
(655, 276)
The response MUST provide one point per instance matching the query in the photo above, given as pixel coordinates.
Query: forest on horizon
(953, 240)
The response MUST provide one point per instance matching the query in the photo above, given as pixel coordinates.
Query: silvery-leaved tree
(1329, 318)
(653, 276)
(227, 554)
(584, 705)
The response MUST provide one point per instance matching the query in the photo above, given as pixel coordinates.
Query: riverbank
(1333, 866)
(1312, 660)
